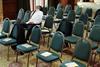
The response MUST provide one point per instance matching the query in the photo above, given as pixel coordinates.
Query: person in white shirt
(36, 17)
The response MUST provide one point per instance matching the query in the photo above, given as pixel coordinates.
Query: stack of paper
(7, 39)
(27, 45)
(71, 64)
(46, 54)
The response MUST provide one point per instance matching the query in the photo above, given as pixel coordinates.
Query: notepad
(27, 45)
(71, 64)
(46, 54)
(7, 39)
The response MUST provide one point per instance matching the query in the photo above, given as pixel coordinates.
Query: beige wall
(1, 10)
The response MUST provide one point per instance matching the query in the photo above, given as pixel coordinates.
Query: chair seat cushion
(2, 35)
(78, 63)
(7, 41)
(50, 58)
(98, 50)
(72, 39)
(25, 48)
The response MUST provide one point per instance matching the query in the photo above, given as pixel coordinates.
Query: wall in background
(1, 11)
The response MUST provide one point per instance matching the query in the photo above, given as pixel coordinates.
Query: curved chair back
(65, 27)
(59, 14)
(51, 11)
(78, 29)
(95, 33)
(26, 16)
(89, 12)
(14, 32)
(82, 50)
(84, 18)
(57, 42)
(97, 13)
(20, 14)
(67, 8)
(49, 21)
(71, 16)
(97, 20)
(6, 25)
(35, 35)
(78, 10)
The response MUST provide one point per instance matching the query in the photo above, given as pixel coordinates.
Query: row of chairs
(33, 44)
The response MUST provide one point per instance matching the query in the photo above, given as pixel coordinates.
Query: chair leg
(36, 62)
(8, 54)
(50, 64)
(28, 59)
(16, 56)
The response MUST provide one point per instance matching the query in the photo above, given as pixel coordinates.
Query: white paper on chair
(71, 64)
(27, 45)
(0, 34)
(46, 54)
(7, 39)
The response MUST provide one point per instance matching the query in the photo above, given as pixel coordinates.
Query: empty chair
(26, 16)
(78, 11)
(77, 33)
(32, 45)
(6, 28)
(19, 16)
(68, 7)
(59, 14)
(50, 56)
(11, 40)
(89, 12)
(82, 52)
(97, 20)
(51, 11)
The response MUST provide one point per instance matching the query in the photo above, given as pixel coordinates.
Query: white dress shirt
(36, 17)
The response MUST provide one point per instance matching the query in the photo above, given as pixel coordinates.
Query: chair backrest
(59, 14)
(14, 31)
(78, 10)
(97, 20)
(97, 13)
(89, 12)
(20, 14)
(51, 11)
(82, 50)
(84, 18)
(26, 16)
(49, 21)
(6, 25)
(67, 8)
(65, 27)
(78, 29)
(35, 35)
(57, 42)
(95, 33)
(71, 16)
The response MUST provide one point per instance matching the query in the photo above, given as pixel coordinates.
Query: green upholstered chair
(6, 28)
(82, 52)
(89, 12)
(71, 16)
(77, 33)
(26, 16)
(56, 46)
(78, 11)
(95, 37)
(51, 11)
(48, 25)
(97, 20)
(19, 16)
(68, 7)
(32, 45)
(11, 40)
